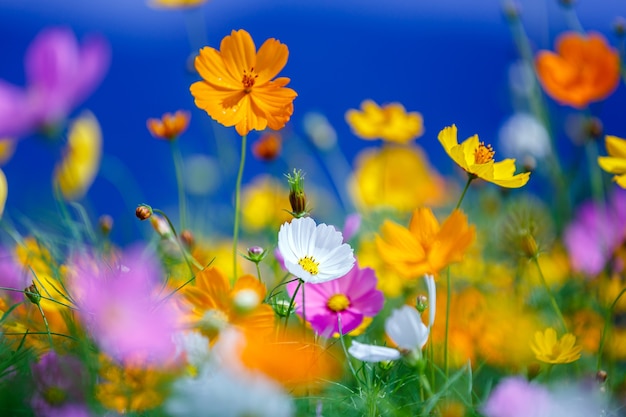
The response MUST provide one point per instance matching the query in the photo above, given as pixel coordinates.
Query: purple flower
(516, 397)
(596, 232)
(121, 308)
(60, 74)
(351, 226)
(345, 301)
(60, 387)
(12, 275)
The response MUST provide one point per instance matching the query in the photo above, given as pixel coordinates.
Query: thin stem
(258, 271)
(180, 184)
(345, 351)
(42, 297)
(597, 185)
(242, 162)
(291, 303)
(188, 258)
(445, 343)
(553, 302)
(27, 333)
(45, 322)
(470, 178)
(605, 330)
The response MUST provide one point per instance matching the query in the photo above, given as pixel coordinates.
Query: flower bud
(281, 307)
(256, 254)
(186, 236)
(421, 303)
(529, 246)
(297, 197)
(32, 293)
(143, 212)
(601, 376)
(106, 224)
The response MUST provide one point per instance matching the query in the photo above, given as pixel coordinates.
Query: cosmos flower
(314, 253)
(267, 147)
(237, 87)
(177, 4)
(389, 122)
(75, 173)
(425, 247)
(60, 74)
(169, 126)
(549, 349)
(584, 69)
(476, 159)
(340, 305)
(615, 163)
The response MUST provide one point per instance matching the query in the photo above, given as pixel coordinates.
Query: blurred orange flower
(237, 87)
(169, 126)
(389, 122)
(267, 147)
(425, 247)
(584, 69)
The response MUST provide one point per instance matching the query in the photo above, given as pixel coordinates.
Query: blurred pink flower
(60, 74)
(350, 299)
(596, 232)
(119, 305)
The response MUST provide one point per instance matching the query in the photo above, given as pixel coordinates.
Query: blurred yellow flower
(75, 173)
(4, 191)
(550, 350)
(177, 4)
(264, 201)
(169, 126)
(476, 159)
(390, 282)
(425, 247)
(7, 149)
(615, 163)
(397, 177)
(390, 122)
(237, 87)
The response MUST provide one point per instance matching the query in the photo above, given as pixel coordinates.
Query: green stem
(470, 178)
(39, 333)
(258, 271)
(445, 343)
(605, 330)
(242, 162)
(42, 297)
(345, 351)
(180, 184)
(595, 173)
(45, 322)
(291, 303)
(188, 258)
(553, 302)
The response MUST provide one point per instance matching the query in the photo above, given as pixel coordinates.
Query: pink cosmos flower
(340, 305)
(120, 306)
(60, 74)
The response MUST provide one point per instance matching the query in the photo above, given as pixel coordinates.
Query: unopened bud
(421, 304)
(187, 238)
(594, 128)
(619, 26)
(601, 376)
(281, 307)
(529, 246)
(32, 293)
(143, 212)
(106, 224)
(256, 254)
(297, 197)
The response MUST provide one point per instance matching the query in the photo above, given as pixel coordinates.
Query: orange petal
(270, 60)
(239, 53)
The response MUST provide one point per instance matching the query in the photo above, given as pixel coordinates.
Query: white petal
(406, 329)
(432, 299)
(372, 353)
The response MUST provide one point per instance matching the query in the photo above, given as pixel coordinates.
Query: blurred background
(451, 60)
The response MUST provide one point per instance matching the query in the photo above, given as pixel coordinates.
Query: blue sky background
(447, 59)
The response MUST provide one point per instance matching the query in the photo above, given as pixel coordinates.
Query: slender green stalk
(595, 173)
(180, 184)
(345, 351)
(27, 333)
(291, 303)
(553, 302)
(188, 258)
(42, 297)
(45, 322)
(258, 271)
(605, 330)
(242, 163)
(470, 178)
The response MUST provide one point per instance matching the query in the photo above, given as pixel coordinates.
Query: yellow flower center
(55, 395)
(483, 154)
(249, 77)
(338, 302)
(309, 265)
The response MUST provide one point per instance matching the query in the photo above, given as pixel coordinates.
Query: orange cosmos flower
(169, 126)
(215, 305)
(267, 147)
(425, 247)
(389, 122)
(237, 87)
(584, 69)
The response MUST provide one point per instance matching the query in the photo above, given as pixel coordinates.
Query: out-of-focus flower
(237, 87)
(390, 122)
(390, 282)
(60, 74)
(397, 177)
(119, 306)
(340, 305)
(4, 191)
(176, 4)
(267, 147)
(75, 173)
(61, 383)
(425, 247)
(550, 350)
(314, 253)
(522, 135)
(516, 397)
(615, 163)
(351, 226)
(373, 353)
(264, 201)
(216, 305)
(169, 126)
(584, 69)
(319, 129)
(596, 233)
(7, 149)
(476, 159)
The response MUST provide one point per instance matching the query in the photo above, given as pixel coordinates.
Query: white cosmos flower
(314, 253)
(372, 353)
(406, 329)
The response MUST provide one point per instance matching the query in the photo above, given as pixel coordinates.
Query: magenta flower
(60, 74)
(516, 397)
(61, 382)
(596, 232)
(14, 276)
(340, 304)
(121, 307)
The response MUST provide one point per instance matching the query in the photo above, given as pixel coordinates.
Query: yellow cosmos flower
(476, 159)
(237, 87)
(77, 171)
(550, 350)
(390, 122)
(615, 163)
(397, 177)
(425, 247)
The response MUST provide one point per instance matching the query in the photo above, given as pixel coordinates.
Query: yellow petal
(4, 191)
(620, 180)
(448, 138)
(424, 225)
(616, 146)
(210, 66)
(612, 165)
(469, 146)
